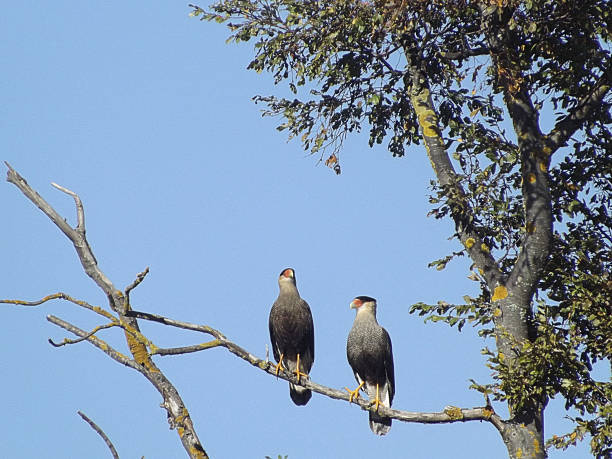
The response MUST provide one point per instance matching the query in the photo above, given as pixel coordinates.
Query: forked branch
(178, 415)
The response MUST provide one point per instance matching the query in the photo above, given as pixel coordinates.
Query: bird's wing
(389, 370)
(271, 327)
(309, 330)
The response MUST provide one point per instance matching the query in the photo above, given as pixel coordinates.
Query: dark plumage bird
(292, 334)
(369, 352)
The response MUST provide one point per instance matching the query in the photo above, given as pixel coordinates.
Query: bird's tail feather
(300, 395)
(380, 425)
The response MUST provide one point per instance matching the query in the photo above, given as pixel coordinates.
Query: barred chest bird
(369, 353)
(292, 334)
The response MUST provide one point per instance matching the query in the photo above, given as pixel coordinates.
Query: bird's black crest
(366, 299)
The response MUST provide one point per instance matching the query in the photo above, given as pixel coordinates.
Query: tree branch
(62, 296)
(567, 126)
(423, 106)
(136, 282)
(100, 344)
(178, 415)
(465, 53)
(76, 236)
(448, 415)
(83, 338)
(534, 161)
(186, 349)
(100, 432)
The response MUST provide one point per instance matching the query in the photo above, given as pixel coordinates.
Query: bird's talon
(279, 366)
(354, 393)
(376, 404)
(298, 373)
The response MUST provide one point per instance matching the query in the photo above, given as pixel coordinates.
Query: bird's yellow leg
(297, 371)
(354, 393)
(377, 399)
(279, 366)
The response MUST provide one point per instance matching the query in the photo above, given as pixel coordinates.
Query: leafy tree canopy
(530, 203)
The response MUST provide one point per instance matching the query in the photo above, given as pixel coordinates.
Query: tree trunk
(523, 433)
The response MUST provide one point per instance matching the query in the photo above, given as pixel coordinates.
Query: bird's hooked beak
(355, 304)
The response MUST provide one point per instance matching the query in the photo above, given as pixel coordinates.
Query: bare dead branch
(83, 338)
(178, 415)
(62, 296)
(100, 344)
(448, 415)
(37, 302)
(136, 282)
(115, 322)
(77, 237)
(176, 323)
(100, 432)
(79, 205)
(186, 349)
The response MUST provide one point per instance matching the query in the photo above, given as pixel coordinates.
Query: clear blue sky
(146, 113)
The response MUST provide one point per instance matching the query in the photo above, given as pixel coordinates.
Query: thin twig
(115, 322)
(100, 432)
(186, 349)
(63, 296)
(79, 205)
(83, 338)
(176, 323)
(100, 344)
(136, 282)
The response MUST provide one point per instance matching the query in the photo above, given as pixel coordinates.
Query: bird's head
(286, 277)
(364, 303)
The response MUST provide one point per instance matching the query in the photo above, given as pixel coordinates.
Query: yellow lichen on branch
(428, 120)
(195, 450)
(139, 351)
(198, 453)
(453, 412)
(499, 293)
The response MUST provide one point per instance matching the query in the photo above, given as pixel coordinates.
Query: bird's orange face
(288, 273)
(356, 303)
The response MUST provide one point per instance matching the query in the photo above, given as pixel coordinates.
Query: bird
(370, 355)
(292, 334)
